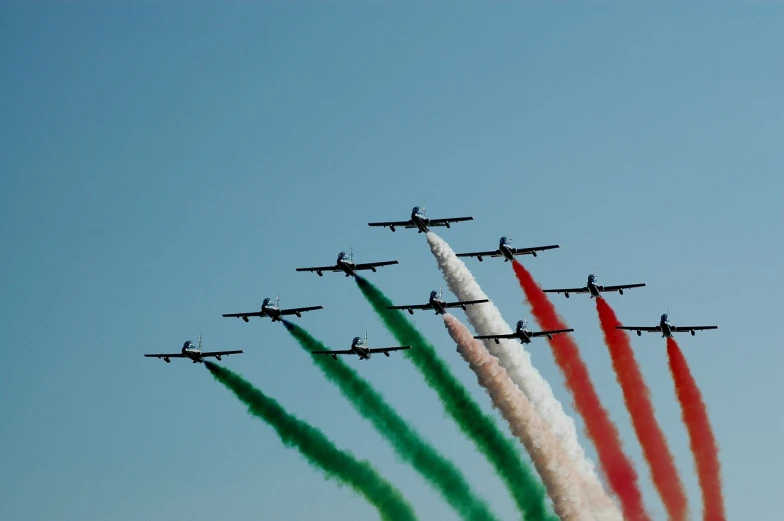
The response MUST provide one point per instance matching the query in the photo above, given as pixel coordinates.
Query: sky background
(165, 163)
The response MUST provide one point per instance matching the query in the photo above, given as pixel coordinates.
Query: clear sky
(165, 163)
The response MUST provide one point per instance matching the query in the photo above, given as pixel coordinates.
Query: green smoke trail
(318, 449)
(520, 480)
(408, 444)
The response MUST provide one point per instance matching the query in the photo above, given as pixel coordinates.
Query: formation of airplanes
(418, 220)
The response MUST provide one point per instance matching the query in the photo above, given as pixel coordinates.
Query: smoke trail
(408, 444)
(318, 449)
(638, 402)
(521, 482)
(617, 467)
(547, 453)
(486, 320)
(701, 439)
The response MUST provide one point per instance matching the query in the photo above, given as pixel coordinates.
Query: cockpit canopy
(591, 277)
(187, 345)
(434, 294)
(266, 302)
(521, 324)
(357, 341)
(664, 317)
(416, 211)
(505, 240)
(342, 255)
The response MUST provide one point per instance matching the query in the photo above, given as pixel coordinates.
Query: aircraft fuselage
(593, 289)
(193, 354)
(361, 351)
(524, 336)
(272, 312)
(507, 252)
(347, 267)
(420, 222)
(438, 305)
(666, 329)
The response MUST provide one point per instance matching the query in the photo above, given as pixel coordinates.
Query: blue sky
(163, 164)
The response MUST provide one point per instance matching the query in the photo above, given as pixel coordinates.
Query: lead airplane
(665, 328)
(345, 263)
(593, 288)
(273, 311)
(523, 334)
(506, 251)
(420, 221)
(360, 348)
(194, 353)
(438, 304)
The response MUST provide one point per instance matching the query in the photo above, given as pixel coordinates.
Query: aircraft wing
(484, 337)
(622, 286)
(220, 353)
(391, 224)
(415, 306)
(567, 290)
(166, 355)
(683, 329)
(388, 349)
(553, 332)
(344, 352)
(494, 253)
(297, 311)
(445, 222)
(373, 265)
(464, 303)
(655, 329)
(241, 315)
(320, 268)
(533, 250)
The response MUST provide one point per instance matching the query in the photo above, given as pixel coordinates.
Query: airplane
(360, 348)
(523, 334)
(665, 328)
(345, 263)
(194, 353)
(506, 251)
(437, 303)
(593, 288)
(273, 311)
(420, 221)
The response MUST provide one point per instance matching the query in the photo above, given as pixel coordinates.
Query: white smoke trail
(564, 485)
(487, 320)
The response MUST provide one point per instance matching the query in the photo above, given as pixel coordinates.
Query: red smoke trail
(638, 403)
(600, 429)
(703, 444)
